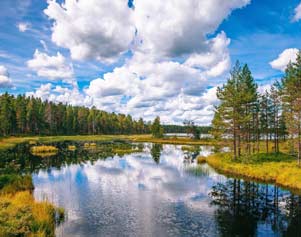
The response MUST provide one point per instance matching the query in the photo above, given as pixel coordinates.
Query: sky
(141, 57)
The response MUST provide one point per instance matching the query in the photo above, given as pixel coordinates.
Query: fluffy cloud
(51, 67)
(23, 26)
(176, 28)
(297, 15)
(94, 29)
(172, 56)
(147, 88)
(103, 30)
(5, 81)
(288, 55)
(216, 60)
(61, 94)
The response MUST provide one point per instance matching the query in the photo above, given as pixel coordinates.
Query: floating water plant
(71, 148)
(44, 151)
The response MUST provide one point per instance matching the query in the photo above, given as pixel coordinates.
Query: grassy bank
(20, 214)
(277, 168)
(12, 141)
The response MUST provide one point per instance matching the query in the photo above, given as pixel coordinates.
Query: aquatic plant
(71, 148)
(90, 145)
(189, 148)
(201, 159)
(43, 149)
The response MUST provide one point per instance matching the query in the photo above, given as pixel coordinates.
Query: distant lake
(186, 135)
(120, 189)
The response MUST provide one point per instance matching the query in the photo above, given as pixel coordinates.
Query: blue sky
(137, 60)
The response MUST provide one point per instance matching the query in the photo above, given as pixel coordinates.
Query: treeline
(249, 117)
(23, 115)
(185, 129)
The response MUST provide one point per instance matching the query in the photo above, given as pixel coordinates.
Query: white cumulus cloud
(145, 89)
(176, 28)
(288, 55)
(172, 57)
(61, 94)
(51, 67)
(94, 29)
(5, 81)
(103, 30)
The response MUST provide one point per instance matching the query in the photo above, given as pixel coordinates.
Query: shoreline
(10, 142)
(285, 174)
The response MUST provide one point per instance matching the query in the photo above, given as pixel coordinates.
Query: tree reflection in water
(20, 160)
(242, 206)
(156, 152)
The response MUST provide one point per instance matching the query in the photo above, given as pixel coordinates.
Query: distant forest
(21, 115)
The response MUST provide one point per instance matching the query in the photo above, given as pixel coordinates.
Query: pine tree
(157, 129)
(238, 99)
(291, 98)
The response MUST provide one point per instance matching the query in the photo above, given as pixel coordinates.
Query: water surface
(154, 190)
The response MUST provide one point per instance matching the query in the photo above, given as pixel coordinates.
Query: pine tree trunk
(299, 143)
(234, 142)
(267, 142)
(238, 145)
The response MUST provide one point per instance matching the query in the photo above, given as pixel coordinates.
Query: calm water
(154, 190)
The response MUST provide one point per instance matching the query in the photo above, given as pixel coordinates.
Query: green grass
(277, 168)
(12, 183)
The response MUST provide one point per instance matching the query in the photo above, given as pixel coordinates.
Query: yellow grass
(20, 214)
(284, 172)
(201, 160)
(71, 148)
(12, 141)
(43, 149)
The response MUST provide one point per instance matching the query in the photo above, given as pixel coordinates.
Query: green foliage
(12, 183)
(183, 128)
(23, 115)
(192, 129)
(291, 98)
(156, 128)
(234, 114)
(156, 152)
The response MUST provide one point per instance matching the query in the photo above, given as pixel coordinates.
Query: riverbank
(275, 168)
(12, 141)
(20, 214)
